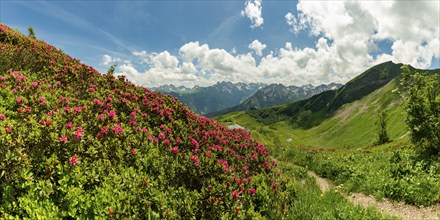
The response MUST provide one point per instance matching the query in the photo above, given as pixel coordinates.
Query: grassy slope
(313, 111)
(354, 121)
(341, 149)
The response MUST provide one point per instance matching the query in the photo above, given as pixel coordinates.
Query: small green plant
(31, 32)
(112, 68)
(382, 132)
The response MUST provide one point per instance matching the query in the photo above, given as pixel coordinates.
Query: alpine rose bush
(79, 144)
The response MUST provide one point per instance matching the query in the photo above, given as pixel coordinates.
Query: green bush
(421, 92)
(79, 144)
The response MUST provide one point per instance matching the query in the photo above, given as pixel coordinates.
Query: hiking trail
(402, 210)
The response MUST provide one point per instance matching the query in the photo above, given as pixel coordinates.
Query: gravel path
(404, 211)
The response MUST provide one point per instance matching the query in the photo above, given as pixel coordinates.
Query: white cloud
(164, 60)
(197, 64)
(295, 25)
(348, 34)
(106, 59)
(252, 10)
(357, 27)
(234, 50)
(257, 46)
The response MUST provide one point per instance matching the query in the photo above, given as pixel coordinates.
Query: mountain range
(221, 95)
(224, 97)
(277, 94)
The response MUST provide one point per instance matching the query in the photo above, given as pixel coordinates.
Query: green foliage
(303, 118)
(413, 180)
(382, 132)
(77, 144)
(112, 68)
(396, 174)
(311, 202)
(31, 32)
(266, 116)
(421, 91)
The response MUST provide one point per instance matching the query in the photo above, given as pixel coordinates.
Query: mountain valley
(79, 144)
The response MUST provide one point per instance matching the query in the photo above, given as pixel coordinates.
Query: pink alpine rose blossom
(133, 151)
(161, 136)
(252, 191)
(235, 194)
(174, 150)
(63, 139)
(194, 159)
(69, 125)
(73, 160)
(117, 129)
(79, 132)
(194, 142)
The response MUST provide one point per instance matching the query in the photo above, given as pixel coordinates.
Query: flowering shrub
(79, 144)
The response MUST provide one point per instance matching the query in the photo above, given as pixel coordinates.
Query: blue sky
(202, 42)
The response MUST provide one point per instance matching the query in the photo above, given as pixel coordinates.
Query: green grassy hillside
(352, 126)
(311, 112)
(342, 146)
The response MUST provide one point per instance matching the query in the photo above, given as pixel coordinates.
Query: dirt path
(404, 211)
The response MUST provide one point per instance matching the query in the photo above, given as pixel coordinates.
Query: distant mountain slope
(277, 94)
(213, 98)
(351, 126)
(312, 111)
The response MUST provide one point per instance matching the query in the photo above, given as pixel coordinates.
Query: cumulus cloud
(348, 34)
(257, 47)
(253, 10)
(357, 27)
(293, 22)
(106, 59)
(198, 64)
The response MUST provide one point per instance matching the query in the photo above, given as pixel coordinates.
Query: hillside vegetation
(338, 140)
(311, 112)
(352, 126)
(78, 144)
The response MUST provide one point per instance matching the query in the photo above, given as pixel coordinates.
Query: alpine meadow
(178, 110)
